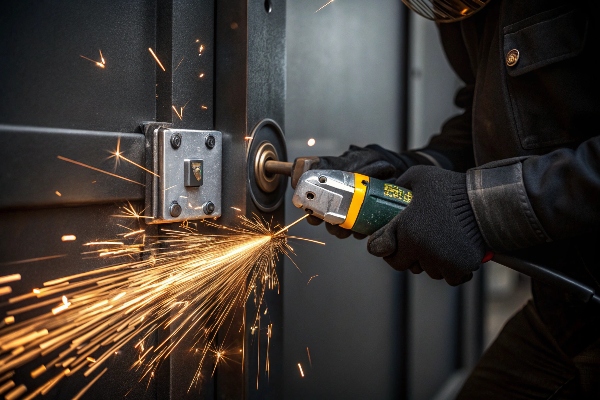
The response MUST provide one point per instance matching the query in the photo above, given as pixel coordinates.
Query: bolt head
(175, 209)
(210, 141)
(208, 208)
(176, 140)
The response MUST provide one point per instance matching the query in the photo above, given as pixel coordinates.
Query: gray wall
(433, 349)
(343, 87)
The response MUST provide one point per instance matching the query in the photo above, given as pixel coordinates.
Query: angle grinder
(363, 204)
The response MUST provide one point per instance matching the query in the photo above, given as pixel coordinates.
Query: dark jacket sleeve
(550, 197)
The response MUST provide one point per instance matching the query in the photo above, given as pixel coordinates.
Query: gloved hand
(437, 232)
(356, 159)
(359, 159)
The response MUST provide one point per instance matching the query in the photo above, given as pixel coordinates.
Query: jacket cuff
(501, 206)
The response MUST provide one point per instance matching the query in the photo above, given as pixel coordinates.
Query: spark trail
(324, 5)
(188, 284)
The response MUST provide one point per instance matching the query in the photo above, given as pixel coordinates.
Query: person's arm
(551, 197)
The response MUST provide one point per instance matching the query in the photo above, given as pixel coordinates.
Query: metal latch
(185, 183)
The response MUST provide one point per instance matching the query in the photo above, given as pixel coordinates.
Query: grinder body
(353, 201)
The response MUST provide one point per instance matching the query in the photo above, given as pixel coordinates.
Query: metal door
(78, 79)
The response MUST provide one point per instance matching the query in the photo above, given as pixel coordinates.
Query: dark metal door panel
(44, 79)
(55, 102)
(250, 87)
(77, 79)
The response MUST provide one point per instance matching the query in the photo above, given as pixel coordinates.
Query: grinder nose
(292, 169)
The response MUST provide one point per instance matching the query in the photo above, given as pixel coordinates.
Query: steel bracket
(185, 178)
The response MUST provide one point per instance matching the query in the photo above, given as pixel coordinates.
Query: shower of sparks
(118, 156)
(98, 170)
(184, 283)
(324, 5)
(101, 63)
(311, 278)
(156, 59)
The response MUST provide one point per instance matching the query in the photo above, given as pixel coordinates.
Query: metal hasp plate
(186, 179)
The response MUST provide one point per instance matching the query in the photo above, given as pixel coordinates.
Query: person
(517, 172)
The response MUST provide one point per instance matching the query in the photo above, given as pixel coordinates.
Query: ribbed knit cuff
(462, 210)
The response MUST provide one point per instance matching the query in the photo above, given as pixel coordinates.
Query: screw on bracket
(210, 141)
(175, 209)
(208, 207)
(176, 140)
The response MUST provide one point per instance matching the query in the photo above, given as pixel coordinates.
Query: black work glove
(359, 159)
(437, 232)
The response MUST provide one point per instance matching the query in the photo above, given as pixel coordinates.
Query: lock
(187, 175)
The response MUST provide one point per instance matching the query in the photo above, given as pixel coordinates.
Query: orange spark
(99, 64)
(177, 112)
(89, 385)
(9, 278)
(180, 61)
(324, 5)
(156, 59)
(180, 113)
(301, 371)
(68, 238)
(98, 170)
(58, 193)
(32, 260)
(119, 156)
(285, 228)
